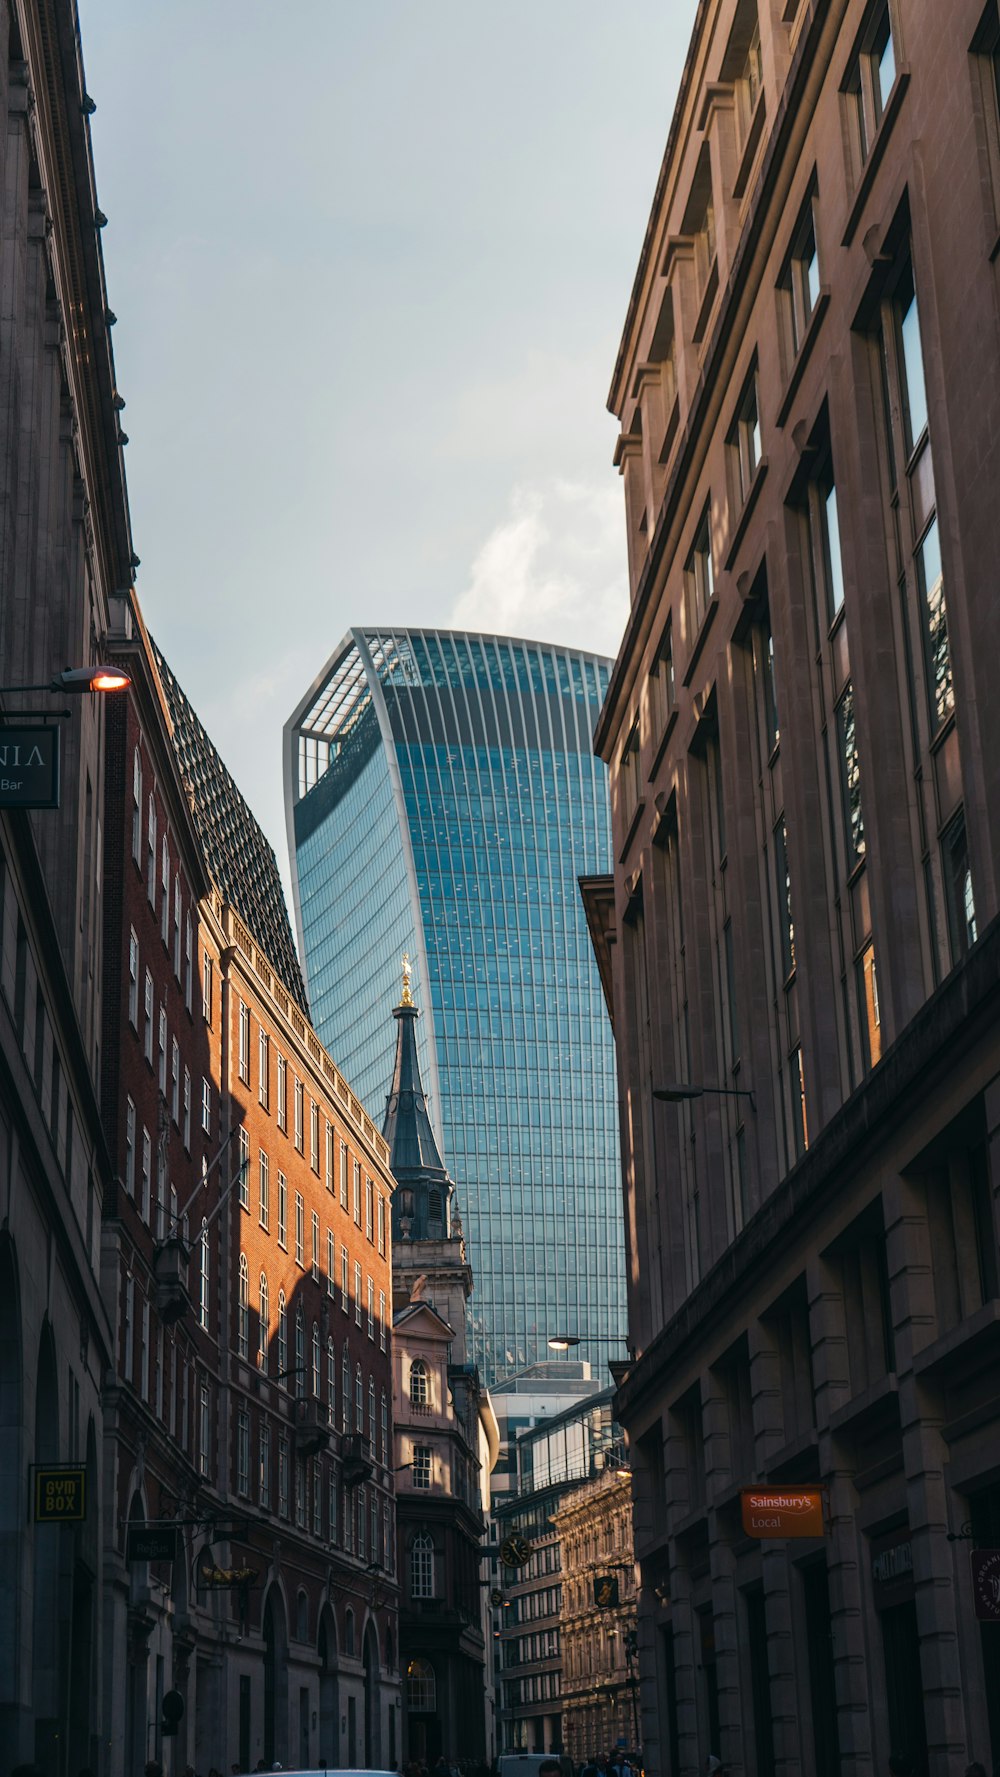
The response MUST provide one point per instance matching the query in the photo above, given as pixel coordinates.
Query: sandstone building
(597, 1624)
(801, 932)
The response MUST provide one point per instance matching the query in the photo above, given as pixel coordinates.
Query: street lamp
(680, 1094)
(78, 681)
(563, 1341)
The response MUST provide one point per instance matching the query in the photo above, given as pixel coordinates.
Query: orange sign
(783, 1511)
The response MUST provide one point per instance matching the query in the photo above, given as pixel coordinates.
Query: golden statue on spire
(407, 999)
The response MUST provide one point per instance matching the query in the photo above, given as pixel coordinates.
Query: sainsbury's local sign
(782, 1511)
(29, 767)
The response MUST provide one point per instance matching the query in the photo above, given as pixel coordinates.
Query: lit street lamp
(78, 681)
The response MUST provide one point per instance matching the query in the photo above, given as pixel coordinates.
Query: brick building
(597, 1624)
(803, 917)
(65, 552)
(249, 1258)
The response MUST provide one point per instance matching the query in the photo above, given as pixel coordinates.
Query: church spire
(414, 1155)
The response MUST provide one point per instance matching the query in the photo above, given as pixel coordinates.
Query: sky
(371, 262)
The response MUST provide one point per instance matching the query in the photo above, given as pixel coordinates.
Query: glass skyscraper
(443, 798)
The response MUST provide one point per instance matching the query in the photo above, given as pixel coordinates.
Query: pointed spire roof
(407, 1128)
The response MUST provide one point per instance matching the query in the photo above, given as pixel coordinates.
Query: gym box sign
(60, 1495)
(29, 767)
(782, 1511)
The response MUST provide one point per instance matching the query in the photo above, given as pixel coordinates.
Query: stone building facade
(65, 553)
(803, 916)
(247, 1251)
(600, 1678)
(447, 1439)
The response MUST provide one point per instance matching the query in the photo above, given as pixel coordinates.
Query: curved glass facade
(443, 799)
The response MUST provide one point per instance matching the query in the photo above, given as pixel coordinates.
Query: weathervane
(407, 999)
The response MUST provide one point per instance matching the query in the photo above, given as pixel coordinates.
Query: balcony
(312, 1425)
(356, 1465)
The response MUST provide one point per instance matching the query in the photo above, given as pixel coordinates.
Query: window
(147, 1035)
(300, 1230)
(783, 889)
(629, 775)
(381, 1319)
(162, 1049)
(870, 81)
(357, 1293)
(331, 1260)
(186, 1123)
(264, 1472)
(283, 1475)
(137, 807)
(744, 442)
(314, 1136)
(164, 889)
(282, 1094)
(133, 979)
(344, 1286)
(130, 1147)
(357, 1192)
(962, 924)
(343, 1175)
(371, 1417)
(421, 1467)
(850, 775)
(419, 1389)
(329, 1157)
(345, 1390)
(263, 1324)
(361, 1523)
(265, 1189)
(264, 1068)
(299, 1111)
(204, 1432)
(749, 83)
(317, 1502)
(662, 690)
(300, 1352)
(244, 1044)
(177, 926)
(699, 581)
(315, 1365)
(800, 278)
(243, 1317)
(332, 1489)
(421, 1570)
(371, 1308)
(331, 1383)
(359, 1402)
(206, 988)
(151, 853)
(243, 1452)
(188, 964)
(315, 1246)
(175, 1081)
(421, 1688)
(381, 1224)
(282, 1211)
(370, 1208)
(282, 1339)
(244, 1165)
(147, 1176)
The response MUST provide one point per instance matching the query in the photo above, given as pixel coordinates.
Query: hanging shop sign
(29, 767)
(606, 1591)
(150, 1542)
(60, 1495)
(515, 1551)
(986, 1584)
(782, 1511)
(892, 1569)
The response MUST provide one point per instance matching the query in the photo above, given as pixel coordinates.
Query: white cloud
(554, 569)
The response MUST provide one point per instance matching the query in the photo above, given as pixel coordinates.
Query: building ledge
(972, 1338)
(874, 161)
(803, 354)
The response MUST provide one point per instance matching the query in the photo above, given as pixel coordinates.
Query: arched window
(371, 1417)
(243, 1320)
(345, 1391)
(385, 1429)
(422, 1566)
(331, 1383)
(300, 1350)
(359, 1401)
(263, 1324)
(421, 1687)
(419, 1391)
(315, 1362)
(282, 1338)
